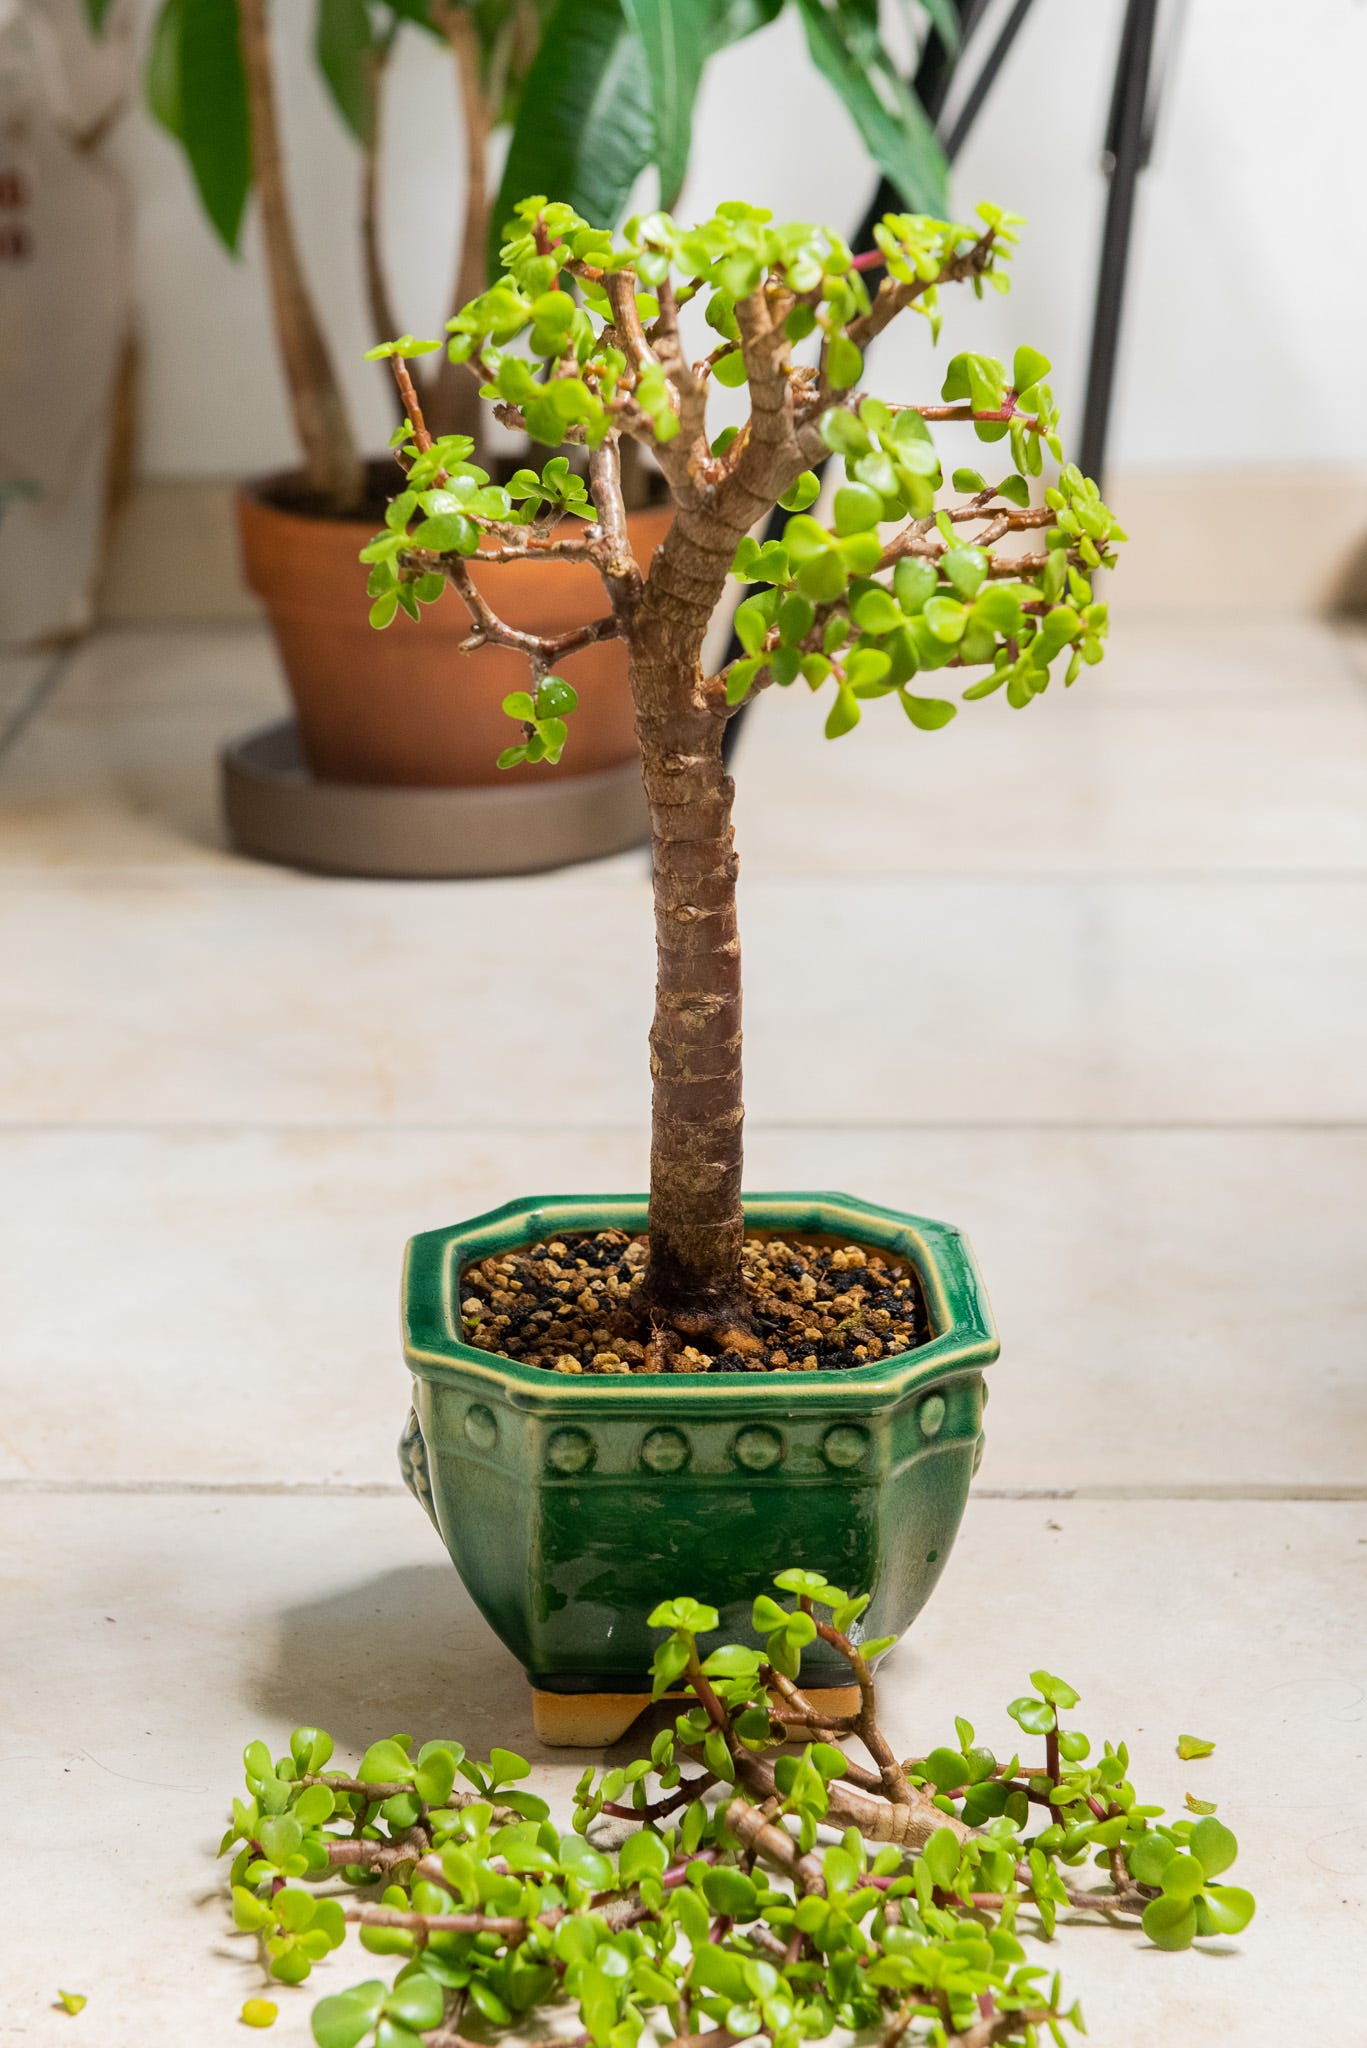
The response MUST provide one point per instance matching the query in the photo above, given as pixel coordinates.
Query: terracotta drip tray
(276, 810)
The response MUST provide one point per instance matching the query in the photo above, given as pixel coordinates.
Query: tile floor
(1112, 959)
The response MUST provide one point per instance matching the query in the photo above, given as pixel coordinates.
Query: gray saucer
(275, 810)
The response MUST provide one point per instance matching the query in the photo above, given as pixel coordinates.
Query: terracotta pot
(404, 707)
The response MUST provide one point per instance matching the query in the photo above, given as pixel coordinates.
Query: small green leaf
(1227, 1908)
(447, 533)
(946, 618)
(417, 2001)
(844, 362)
(740, 676)
(1028, 367)
(928, 714)
(874, 611)
(1057, 1691)
(941, 1857)
(1183, 1877)
(1170, 1922)
(751, 623)
(435, 1778)
(74, 2001)
(256, 2012)
(731, 1892)
(343, 2020)
(966, 568)
(1214, 1846)
(856, 509)
(505, 1766)
(1191, 1746)
(1037, 1717)
(642, 1855)
(913, 581)
(844, 713)
(1149, 1857)
(385, 1763)
(803, 493)
(555, 698)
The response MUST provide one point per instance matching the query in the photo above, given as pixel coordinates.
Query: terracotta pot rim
(256, 491)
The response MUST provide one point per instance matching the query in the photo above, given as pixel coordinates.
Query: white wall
(1248, 298)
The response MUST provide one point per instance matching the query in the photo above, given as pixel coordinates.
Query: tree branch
(542, 650)
(893, 298)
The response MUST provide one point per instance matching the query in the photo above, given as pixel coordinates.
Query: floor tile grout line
(1232, 1491)
(237, 873)
(755, 1127)
(34, 698)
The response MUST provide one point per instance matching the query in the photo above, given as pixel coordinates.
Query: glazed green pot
(570, 1506)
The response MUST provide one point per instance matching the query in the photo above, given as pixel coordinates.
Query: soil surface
(573, 1305)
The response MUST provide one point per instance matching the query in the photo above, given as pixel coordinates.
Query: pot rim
(255, 491)
(964, 1339)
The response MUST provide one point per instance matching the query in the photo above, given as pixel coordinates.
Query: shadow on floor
(408, 1651)
(405, 1650)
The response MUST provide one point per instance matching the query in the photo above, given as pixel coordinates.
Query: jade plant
(748, 1879)
(918, 578)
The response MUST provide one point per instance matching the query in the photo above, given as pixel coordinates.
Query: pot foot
(595, 1720)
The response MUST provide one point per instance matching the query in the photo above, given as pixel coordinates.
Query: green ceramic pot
(570, 1506)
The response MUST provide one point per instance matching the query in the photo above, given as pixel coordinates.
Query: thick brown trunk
(452, 403)
(696, 1222)
(331, 464)
(384, 324)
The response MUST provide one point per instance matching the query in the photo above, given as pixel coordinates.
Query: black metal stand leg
(1127, 134)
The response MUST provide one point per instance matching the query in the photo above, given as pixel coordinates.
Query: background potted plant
(592, 1412)
(596, 91)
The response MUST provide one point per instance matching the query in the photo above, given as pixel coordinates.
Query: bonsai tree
(904, 588)
(595, 91)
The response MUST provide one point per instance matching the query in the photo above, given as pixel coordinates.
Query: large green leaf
(945, 22)
(584, 129)
(344, 45)
(673, 36)
(897, 133)
(215, 126)
(730, 21)
(161, 81)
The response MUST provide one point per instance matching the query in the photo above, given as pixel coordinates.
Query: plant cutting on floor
(773, 1887)
(611, 1389)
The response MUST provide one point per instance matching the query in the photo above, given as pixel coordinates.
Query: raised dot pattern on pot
(666, 1450)
(845, 1446)
(570, 1451)
(481, 1426)
(931, 1414)
(758, 1449)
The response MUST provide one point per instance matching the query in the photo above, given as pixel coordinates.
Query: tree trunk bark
(696, 1221)
(451, 402)
(331, 464)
